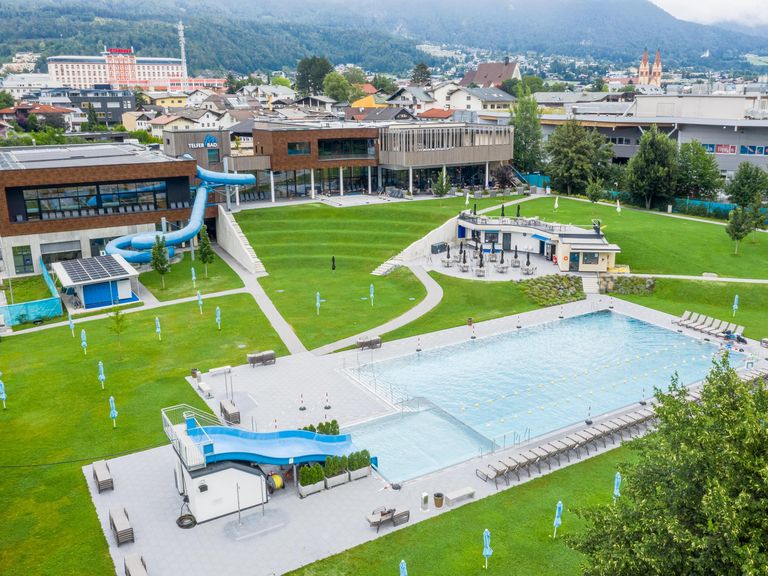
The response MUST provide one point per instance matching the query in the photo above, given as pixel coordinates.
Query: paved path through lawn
(704, 278)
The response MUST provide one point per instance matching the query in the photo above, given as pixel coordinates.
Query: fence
(35, 310)
(536, 179)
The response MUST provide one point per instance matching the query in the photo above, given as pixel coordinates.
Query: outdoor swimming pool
(529, 382)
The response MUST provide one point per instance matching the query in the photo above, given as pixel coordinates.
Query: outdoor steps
(590, 284)
(256, 265)
(388, 266)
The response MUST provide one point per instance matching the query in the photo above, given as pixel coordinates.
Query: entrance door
(506, 241)
(573, 261)
(548, 251)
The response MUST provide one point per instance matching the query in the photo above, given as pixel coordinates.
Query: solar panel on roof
(89, 269)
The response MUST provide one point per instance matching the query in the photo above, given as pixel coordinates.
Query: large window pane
(22, 260)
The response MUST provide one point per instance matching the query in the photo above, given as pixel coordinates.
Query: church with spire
(650, 74)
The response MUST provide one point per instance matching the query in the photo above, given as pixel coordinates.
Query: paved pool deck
(283, 535)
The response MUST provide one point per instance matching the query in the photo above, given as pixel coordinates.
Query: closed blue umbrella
(558, 517)
(3, 396)
(113, 411)
(371, 293)
(71, 324)
(200, 302)
(317, 302)
(194, 278)
(487, 551)
(83, 341)
(616, 487)
(157, 328)
(735, 304)
(403, 568)
(101, 374)
(218, 317)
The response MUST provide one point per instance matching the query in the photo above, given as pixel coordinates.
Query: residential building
(371, 101)
(52, 115)
(195, 98)
(380, 114)
(463, 98)
(19, 85)
(316, 102)
(415, 98)
(21, 62)
(138, 120)
(436, 115)
(166, 99)
(492, 74)
(108, 104)
(189, 119)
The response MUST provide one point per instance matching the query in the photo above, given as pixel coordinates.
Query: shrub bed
(553, 290)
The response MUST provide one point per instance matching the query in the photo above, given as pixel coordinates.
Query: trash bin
(438, 497)
(195, 372)
(469, 321)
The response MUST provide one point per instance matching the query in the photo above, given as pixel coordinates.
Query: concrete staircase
(591, 284)
(388, 267)
(231, 237)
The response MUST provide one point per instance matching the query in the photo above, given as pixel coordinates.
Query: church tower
(656, 70)
(644, 74)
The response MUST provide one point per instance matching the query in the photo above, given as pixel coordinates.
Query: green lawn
(178, 282)
(712, 299)
(465, 298)
(296, 244)
(520, 521)
(58, 412)
(26, 289)
(651, 243)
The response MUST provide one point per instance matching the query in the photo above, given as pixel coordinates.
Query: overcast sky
(749, 12)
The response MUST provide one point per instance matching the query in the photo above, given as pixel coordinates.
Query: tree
(281, 81)
(6, 100)
(310, 73)
(741, 223)
(576, 155)
(749, 185)
(355, 75)
(697, 172)
(234, 83)
(694, 500)
(145, 137)
(598, 85)
(443, 184)
(118, 323)
(652, 171)
(159, 259)
(528, 84)
(90, 120)
(205, 250)
(503, 175)
(384, 83)
(32, 124)
(528, 152)
(421, 74)
(510, 86)
(140, 98)
(337, 87)
(595, 191)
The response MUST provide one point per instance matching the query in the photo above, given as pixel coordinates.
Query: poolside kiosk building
(98, 282)
(573, 249)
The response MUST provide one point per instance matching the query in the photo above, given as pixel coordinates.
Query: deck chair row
(708, 325)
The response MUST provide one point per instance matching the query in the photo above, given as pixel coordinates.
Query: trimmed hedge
(328, 428)
(628, 285)
(335, 465)
(311, 474)
(554, 289)
(358, 460)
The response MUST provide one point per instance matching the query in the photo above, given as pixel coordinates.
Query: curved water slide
(135, 248)
(285, 447)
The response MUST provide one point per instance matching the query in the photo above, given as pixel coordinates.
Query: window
(491, 237)
(22, 260)
(345, 148)
(590, 258)
(298, 148)
(213, 156)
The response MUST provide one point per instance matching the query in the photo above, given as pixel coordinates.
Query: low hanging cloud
(746, 12)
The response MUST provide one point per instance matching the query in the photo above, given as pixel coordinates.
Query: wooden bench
(205, 390)
(102, 476)
(229, 412)
(134, 565)
(262, 358)
(456, 495)
(121, 525)
(370, 342)
(397, 516)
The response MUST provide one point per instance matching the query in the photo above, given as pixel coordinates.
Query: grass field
(652, 243)
(178, 282)
(297, 243)
(464, 298)
(712, 299)
(57, 412)
(520, 521)
(26, 289)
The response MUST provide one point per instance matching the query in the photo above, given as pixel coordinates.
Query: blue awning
(540, 237)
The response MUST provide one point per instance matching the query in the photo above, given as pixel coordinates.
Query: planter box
(305, 491)
(361, 473)
(342, 478)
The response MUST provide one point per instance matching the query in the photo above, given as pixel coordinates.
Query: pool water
(522, 384)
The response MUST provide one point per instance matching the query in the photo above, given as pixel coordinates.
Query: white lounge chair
(729, 328)
(705, 320)
(707, 325)
(684, 318)
(692, 320)
(716, 327)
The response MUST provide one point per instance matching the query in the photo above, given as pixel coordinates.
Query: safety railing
(191, 448)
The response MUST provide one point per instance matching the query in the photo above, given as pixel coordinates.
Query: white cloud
(747, 12)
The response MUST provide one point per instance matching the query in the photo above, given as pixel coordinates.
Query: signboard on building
(209, 141)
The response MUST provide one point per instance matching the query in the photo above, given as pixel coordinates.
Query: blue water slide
(278, 448)
(135, 247)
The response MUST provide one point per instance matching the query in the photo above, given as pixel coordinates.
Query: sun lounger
(708, 325)
(134, 565)
(531, 458)
(729, 328)
(715, 328)
(544, 455)
(491, 473)
(684, 318)
(738, 331)
(121, 525)
(706, 321)
(511, 466)
(102, 476)
(692, 320)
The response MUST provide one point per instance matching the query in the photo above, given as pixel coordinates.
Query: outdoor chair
(102, 476)
(134, 565)
(489, 474)
(121, 525)
(702, 321)
(738, 332)
(379, 516)
(716, 327)
(686, 316)
(729, 328)
(692, 320)
(707, 325)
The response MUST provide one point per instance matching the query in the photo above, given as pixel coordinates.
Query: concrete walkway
(252, 286)
(433, 298)
(704, 278)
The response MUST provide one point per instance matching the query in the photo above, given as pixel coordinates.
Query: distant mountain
(380, 35)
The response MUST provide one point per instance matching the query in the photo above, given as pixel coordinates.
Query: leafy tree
(598, 85)
(510, 86)
(140, 98)
(118, 323)
(311, 72)
(91, 121)
(32, 124)
(697, 172)
(384, 83)
(159, 258)
(205, 250)
(6, 100)
(421, 74)
(652, 171)
(749, 185)
(45, 136)
(741, 223)
(595, 191)
(144, 137)
(528, 151)
(281, 81)
(695, 499)
(355, 75)
(528, 84)
(234, 83)
(576, 155)
(337, 87)
(443, 184)
(503, 175)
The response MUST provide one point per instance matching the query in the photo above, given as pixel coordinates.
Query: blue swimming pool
(533, 381)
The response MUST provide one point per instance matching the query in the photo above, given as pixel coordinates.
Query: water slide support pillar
(380, 175)
(410, 180)
(272, 186)
(227, 188)
(487, 174)
(341, 181)
(312, 183)
(370, 191)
